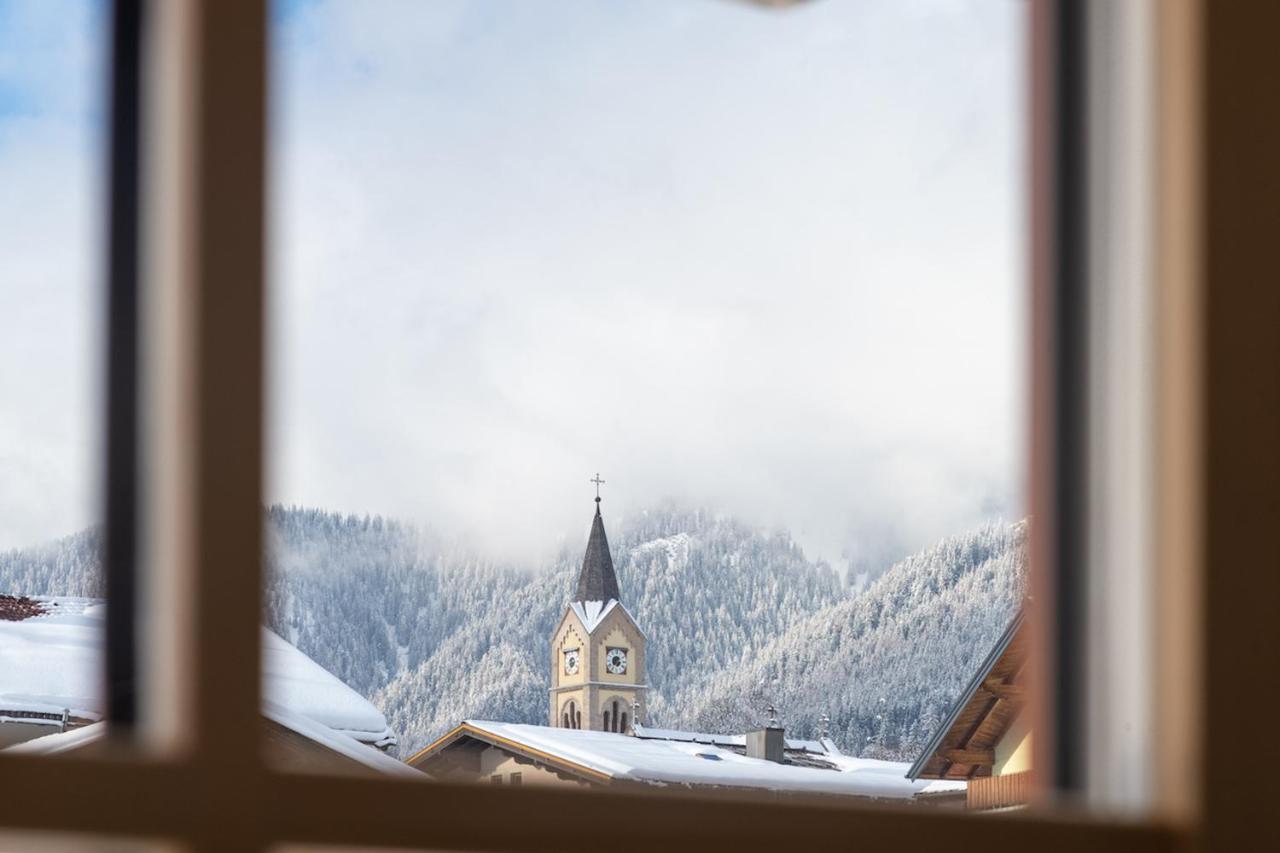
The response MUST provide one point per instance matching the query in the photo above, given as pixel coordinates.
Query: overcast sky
(51, 102)
(766, 263)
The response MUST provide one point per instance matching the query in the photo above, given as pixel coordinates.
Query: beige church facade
(597, 650)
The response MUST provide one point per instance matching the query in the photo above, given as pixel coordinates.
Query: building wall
(12, 733)
(1013, 751)
(616, 636)
(606, 701)
(594, 689)
(288, 750)
(495, 762)
(617, 631)
(570, 636)
(560, 702)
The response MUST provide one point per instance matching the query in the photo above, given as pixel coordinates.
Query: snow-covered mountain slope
(885, 665)
(736, 618)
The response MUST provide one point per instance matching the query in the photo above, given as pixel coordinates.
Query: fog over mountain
(737, 618)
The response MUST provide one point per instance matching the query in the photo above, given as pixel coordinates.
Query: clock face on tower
(615, 660)
(571, 661)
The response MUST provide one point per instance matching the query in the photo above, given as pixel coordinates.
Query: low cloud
(764, 263)
(767, 264)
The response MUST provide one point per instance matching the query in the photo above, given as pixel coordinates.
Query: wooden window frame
(192, 771)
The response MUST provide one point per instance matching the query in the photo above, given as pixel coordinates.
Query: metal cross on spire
(598, 483)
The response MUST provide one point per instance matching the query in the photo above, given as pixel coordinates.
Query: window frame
(193, 771)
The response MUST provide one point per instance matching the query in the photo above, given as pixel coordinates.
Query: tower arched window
(572, 717)
(615, 717)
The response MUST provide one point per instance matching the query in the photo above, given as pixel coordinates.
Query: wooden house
(986, 739)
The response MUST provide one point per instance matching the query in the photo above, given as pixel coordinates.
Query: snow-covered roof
(51, 663)
(338, 742)
(895, 769)
(673, 761)
(299, 685)
(62, 741)
(740, 741)
(344, 745)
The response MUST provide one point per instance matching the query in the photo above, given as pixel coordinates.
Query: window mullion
(227, 287)
(203, 235)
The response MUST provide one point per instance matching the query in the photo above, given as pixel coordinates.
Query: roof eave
(935, 742)
(555, 762)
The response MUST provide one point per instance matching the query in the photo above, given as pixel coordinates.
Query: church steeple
(597, 581)
(598, 651)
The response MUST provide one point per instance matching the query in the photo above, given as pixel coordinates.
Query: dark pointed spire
(597, 581)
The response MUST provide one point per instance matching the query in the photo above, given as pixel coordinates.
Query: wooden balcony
(999, 792)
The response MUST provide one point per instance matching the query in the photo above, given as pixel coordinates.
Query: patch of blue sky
(53, 59)
(284, 10)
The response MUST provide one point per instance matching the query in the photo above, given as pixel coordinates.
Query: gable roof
(963, 746)
(608, 758)
(318, 733)
(51, 664)
(592, 614)
(597, 581)
(335, 741)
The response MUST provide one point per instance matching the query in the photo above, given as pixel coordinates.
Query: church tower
(597, 651)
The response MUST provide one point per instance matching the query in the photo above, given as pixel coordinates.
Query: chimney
(767, 743)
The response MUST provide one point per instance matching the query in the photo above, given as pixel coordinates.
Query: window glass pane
(53, 94)
(761, 270)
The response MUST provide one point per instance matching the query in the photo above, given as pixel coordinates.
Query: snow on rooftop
(592, 613)
(338, 742)
(298, 684)
(318, 732)
(943, 786)
(52, 662)
(649, 733)
(687, 762)
(57, 742)
(794, 744)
